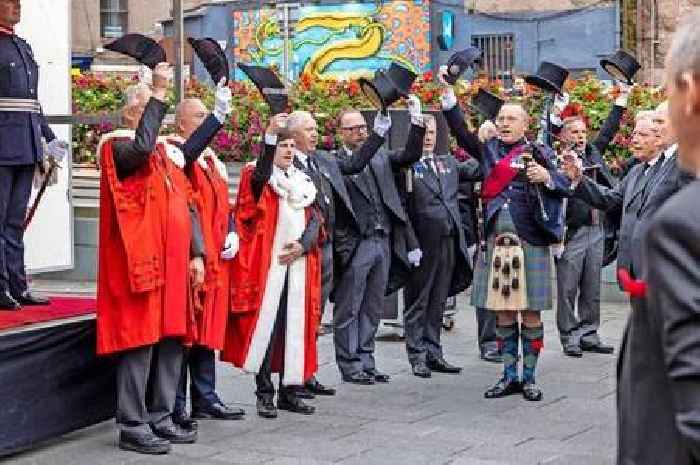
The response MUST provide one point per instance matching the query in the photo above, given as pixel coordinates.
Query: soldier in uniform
(22, 127)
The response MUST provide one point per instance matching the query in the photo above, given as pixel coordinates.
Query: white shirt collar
(348, 152)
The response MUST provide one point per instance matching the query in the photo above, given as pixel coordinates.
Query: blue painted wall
(575, 40)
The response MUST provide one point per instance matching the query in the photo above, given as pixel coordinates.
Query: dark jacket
(384, 166)
(20, 133)
(659, 366)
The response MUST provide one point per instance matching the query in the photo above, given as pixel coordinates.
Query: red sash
(634, 287)
(501, 175)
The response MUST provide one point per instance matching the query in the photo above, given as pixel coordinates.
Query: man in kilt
(522, 193)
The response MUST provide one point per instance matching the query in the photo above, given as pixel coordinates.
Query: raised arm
(130, 156)
(609, 129)
(357, 162)
(411, 152)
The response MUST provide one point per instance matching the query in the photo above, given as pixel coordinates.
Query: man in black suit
(659, 369)
(433, 208)
(371, 248)
(332, 196)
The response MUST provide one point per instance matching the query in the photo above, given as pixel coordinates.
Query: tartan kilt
(538, 269)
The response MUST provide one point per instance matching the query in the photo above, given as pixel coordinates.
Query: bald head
(189, 115)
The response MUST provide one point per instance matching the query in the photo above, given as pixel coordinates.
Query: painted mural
(338, 41)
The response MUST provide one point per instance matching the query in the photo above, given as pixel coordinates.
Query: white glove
(146, 75)
(382, 123)
(448, 99)
(414, 107)
(487, 131)
(560, 102)
(58, 149)
(414, 257)
(230, 246)
(222, 101)
(625, 91)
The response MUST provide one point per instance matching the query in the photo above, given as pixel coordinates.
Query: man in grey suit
(371, 249)
(659, 369)
(433, 208)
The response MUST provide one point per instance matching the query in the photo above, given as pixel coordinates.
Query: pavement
(439, 421)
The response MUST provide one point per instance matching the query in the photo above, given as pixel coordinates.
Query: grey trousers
(578, 276)
(359, 298)
(424, 301)
(163, 362)
(486, 328)
(326, 272)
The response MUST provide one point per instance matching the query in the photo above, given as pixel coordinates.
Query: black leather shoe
(599, 348)
(8, 303)
(294, 404)
(359, 378)
(421, 370)
(378, 376)
(441, 366)
(143, 443)
(184, 421)
(266, 409)
(218, 411)
(490, 354)
(303, 393)
(531, 392)
(573, 350)
(314, 387)
(29, 298)
(504, 388)
(175, 434)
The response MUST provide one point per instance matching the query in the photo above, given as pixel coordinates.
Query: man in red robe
(150, 243)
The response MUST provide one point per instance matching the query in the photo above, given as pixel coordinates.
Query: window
(499, 53)
(114, 19)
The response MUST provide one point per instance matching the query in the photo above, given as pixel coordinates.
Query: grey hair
(684, 54)
(296, 120)
(132, 93)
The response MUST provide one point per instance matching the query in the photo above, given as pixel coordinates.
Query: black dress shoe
(573, 350)
(143, 443)
(359, 378)
(266, 409)
(303, 393)
(504, 388)
(441, 366)
(175, 434)
(319, 389)
(421, 370)
(378, 376)
(29, 298)
(8, 303)
(184, 421)
(531, 392)
(599, 348)
(218, 411)
(294, 404)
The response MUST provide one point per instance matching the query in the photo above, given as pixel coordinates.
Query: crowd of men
(183, 272)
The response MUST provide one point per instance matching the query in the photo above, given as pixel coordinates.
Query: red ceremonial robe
(210, 184)
(254, 275)
(144, 248)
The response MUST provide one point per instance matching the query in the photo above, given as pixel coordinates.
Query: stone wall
(509, 6)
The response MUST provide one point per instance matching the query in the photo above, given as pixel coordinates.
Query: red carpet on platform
(60, 307)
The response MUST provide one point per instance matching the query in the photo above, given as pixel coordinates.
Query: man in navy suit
(22, 128)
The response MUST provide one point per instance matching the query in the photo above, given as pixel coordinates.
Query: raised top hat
(214, 59)
(460, 61)
(621, 66)
(139, 47)
(388, 86)
(269, 85)
(487, 104)
(549, 77)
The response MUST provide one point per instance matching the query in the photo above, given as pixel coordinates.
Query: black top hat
(621, 65)
(487, 104)
(139, 47)
(269, 85)
(214, 59)
(460, 61)
(549, 77)
(388, 86)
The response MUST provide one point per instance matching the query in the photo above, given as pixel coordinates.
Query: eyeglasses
(361, 127)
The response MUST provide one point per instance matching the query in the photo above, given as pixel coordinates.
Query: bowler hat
(269, 85)
(388, 86)
(139, 47)
(214, 59)
(621, 65)
(487, 104)
(549, 77)
(460, 61)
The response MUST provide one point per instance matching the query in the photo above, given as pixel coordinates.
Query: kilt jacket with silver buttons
(20, 133)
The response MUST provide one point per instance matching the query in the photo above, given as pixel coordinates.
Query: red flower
(427, 76)
(537, 345)
(353, 88)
